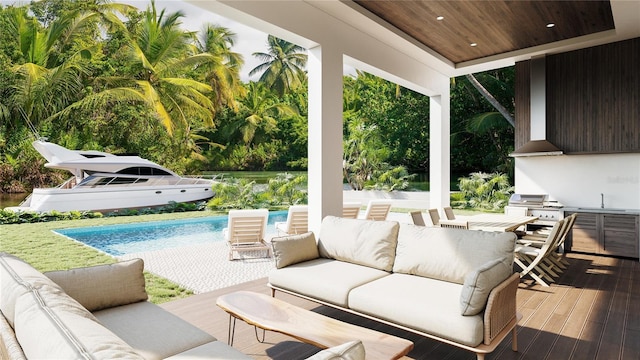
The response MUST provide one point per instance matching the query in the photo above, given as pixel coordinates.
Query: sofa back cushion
(103, 286)
(17, 278)
(450, 254)
(9, 347)
(52, 325)
(363, 242)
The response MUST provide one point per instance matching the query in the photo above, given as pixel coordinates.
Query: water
(124, 239)
(7, 200)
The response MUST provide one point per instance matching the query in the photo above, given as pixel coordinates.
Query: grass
(46, 251)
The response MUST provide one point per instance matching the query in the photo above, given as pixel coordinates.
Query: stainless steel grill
(536, 205)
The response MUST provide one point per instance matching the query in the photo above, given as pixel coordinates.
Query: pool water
(124, 239)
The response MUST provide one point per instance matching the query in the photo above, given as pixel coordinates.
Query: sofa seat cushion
(214, 350)
(324, 279)
(364, 242)
(450, 254)
(152, 331)
(428, 305)
(52, 325)
(103, 286)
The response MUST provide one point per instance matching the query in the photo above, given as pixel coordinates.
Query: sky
(247, 41)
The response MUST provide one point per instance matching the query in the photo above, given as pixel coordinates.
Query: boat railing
(106, 180)
(207, 178)
(69, 184)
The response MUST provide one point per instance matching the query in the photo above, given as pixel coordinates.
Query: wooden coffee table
(268, 313)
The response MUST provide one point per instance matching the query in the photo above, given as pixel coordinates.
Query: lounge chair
(297, 221)
(351, 210)
(377, 210)
(245, 231)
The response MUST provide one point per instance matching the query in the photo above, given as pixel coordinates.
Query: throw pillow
(353, 350)
(289, 250)
(104, 286)
(479, 283)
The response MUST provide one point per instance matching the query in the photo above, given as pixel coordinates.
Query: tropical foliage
(22, 217)
(94, 74)
(285, 189)
(484, 191)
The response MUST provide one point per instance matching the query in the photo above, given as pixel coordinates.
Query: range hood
(537, 148)
(538, 145)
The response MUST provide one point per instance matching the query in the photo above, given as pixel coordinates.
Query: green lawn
(45, 250)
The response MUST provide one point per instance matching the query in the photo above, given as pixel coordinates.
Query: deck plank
(592, 312)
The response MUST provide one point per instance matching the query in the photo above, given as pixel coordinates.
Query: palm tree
(259, 108)
(223, 74)
(47, 80)
(491, 99)
(283, 66)
(161, 54)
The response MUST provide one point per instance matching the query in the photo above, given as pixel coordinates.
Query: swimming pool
(124, 239)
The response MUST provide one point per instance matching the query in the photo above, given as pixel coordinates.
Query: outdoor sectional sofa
(99, 312)
(453, 285)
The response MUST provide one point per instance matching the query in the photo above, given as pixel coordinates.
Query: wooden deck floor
(592, 312)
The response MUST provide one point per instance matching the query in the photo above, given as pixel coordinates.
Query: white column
(439, 150)
(325, 134)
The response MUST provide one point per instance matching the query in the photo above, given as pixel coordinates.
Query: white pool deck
(205, 267)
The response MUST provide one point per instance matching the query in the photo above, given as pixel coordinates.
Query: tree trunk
(487, 95)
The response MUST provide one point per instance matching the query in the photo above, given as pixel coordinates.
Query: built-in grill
(537, 205)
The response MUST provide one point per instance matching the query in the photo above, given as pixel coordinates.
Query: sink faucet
(601, 200)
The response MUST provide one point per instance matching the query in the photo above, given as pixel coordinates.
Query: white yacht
(105, 182)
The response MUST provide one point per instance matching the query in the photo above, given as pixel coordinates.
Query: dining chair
(538, 239)
(435, 217)
(531, 259)
(456, 225)
(448, 213)
(417, 218)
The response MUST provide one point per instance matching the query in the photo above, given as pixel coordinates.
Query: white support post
(439, 150)
(325, 134)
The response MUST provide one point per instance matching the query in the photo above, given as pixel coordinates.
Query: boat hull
(115, 198)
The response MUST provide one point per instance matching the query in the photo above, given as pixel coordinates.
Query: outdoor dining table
(492, 222)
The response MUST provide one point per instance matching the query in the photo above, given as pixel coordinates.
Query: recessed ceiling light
(550, 25)
(440, 18)
(473, 44)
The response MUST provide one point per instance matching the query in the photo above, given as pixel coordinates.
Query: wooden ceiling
(496, 27)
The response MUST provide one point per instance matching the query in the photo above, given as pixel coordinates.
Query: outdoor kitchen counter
(602, 210)
(605, 231)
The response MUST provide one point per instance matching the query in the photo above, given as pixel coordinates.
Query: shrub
(285, 188)
(21, 217)
(484, 191)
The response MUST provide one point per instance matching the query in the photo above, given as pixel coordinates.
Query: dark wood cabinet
(584, 233)
(605, 234)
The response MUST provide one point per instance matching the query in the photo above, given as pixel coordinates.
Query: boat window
(120, 181)
(143, 170)
(87, 181)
